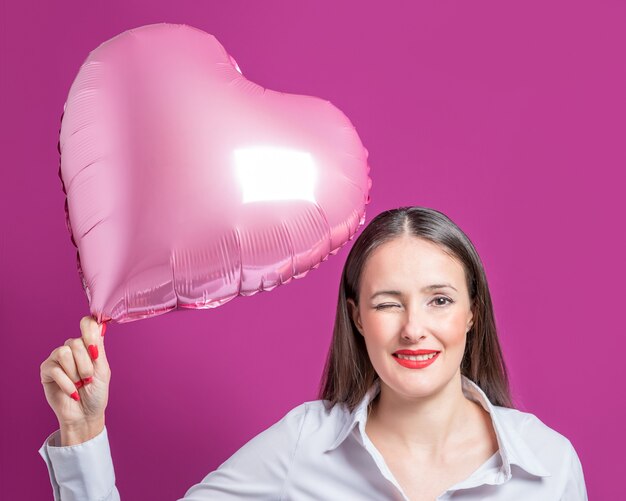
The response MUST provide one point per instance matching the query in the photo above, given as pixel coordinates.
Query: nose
(414, 327)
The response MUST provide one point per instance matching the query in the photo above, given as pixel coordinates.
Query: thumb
(98, 354)
(93, 338)
(102, 352)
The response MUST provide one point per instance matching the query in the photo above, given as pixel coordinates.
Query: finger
(94, 341)
(52, 372)
(82, 363)
(64, 358)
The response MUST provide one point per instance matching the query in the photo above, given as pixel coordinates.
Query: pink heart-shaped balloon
(188, 185)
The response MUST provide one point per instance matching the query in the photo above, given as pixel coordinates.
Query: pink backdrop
(510, 119)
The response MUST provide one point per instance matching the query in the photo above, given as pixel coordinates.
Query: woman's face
(413, 296)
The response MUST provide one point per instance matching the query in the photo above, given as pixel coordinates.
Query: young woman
(414, 399)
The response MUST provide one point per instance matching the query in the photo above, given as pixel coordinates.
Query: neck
(424, 426)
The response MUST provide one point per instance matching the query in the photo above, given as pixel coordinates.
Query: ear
(355, 316)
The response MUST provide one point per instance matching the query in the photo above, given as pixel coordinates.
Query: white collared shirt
(313, 454)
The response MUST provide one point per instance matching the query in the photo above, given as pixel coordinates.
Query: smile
(415, 361)
(416, 357)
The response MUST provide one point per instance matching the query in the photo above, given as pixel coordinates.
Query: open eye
(442, 301)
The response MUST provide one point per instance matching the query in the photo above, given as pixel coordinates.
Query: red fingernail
(78, 384)
(75, 396)
(88, 380)
(93, 351)
(104, 329)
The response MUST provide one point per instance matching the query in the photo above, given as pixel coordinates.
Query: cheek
(378, 333)
(379, 328)
(452, 330)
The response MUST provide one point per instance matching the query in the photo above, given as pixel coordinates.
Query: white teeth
(417, 357)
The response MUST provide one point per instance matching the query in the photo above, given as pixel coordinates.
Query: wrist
(73, 434)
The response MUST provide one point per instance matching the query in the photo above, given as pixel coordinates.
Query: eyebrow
(428, 288)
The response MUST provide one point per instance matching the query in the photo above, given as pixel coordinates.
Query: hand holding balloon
(75, 379)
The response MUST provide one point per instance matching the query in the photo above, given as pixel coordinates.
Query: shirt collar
(512, 446)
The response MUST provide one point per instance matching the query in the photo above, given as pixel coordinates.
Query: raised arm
(75, 379)
(76, 384)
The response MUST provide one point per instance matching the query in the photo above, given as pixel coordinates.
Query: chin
(410, 386)
(416, 383)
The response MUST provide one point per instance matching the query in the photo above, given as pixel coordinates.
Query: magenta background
(509, 118)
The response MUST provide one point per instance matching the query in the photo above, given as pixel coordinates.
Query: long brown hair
(349, 373)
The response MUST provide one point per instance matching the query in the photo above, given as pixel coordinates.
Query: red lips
(415, 364)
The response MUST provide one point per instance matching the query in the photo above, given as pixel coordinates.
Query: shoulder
(259, 469)
(531, 429)
(527, 434)
(537, 445)
(316, 419)
(309, 420)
